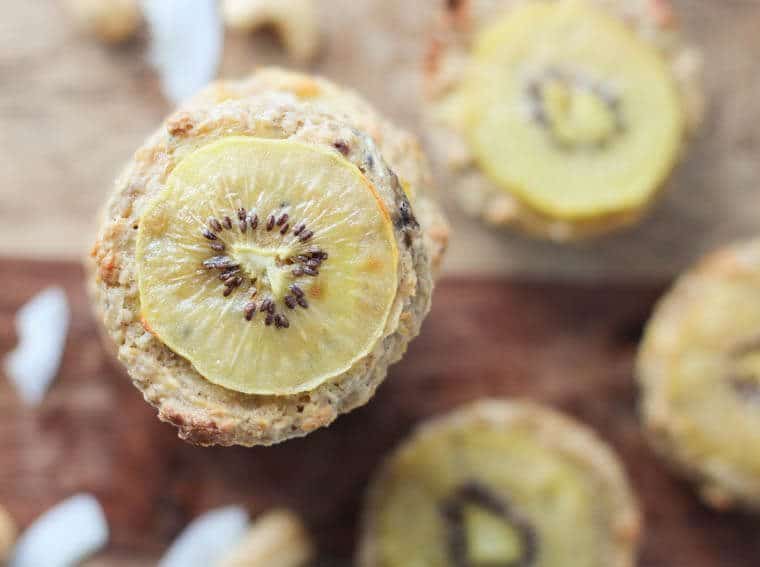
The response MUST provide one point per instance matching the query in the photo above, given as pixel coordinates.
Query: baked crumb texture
(284, 105)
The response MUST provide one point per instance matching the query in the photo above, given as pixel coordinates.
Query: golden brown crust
(551, 428)
(445, 66)
(204, 413)
(722, 483)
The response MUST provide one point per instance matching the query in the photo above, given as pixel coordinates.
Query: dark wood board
(569, 345)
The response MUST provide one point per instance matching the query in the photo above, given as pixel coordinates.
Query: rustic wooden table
(568, 345)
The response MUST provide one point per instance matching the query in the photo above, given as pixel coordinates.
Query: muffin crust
(204, 413)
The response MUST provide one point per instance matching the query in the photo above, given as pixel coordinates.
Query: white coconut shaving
(207, 538)
(41, 326)
(63, 536)
(187, 37)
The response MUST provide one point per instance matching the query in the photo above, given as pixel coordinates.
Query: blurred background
(73, 110)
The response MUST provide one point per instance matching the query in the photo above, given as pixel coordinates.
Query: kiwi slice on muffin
(270, 265)
(501, 483)
(570, 119)
(699, 369)
(259, 266)
(572, 112)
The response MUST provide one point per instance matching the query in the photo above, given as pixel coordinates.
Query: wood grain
(73, 111)
(570, 346)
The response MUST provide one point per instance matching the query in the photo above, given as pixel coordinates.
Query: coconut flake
(187, 37)
(64, 535)
(41, 326)
(207, 538)
(295, 21)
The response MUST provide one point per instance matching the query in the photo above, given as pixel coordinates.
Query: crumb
(180, 124)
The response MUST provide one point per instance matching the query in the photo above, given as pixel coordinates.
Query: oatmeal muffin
(501, 483)
(699, 370)
(263, 259)
(563, 119)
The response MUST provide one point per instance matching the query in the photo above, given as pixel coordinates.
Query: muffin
(263, 259)
(563, 119)
(699, 371)
(501, 483)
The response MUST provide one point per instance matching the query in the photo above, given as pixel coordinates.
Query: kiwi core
(262, 259)
(575, 111)
(484, 531)
(269, 266)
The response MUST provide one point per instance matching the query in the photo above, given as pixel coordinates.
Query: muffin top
(699, 367)
(564, 118)
(256, 277)
(501, 483)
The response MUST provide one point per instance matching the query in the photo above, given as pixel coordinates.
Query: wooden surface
(568, 345)
(73, 111)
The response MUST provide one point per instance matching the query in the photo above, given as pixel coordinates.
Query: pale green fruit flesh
(490, 540)
(556, 495)
(572, 112)
(329, 269)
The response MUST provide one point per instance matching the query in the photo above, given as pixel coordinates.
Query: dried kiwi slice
(571, 111)
(270, 265)
(699, 367)
(500, 484)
